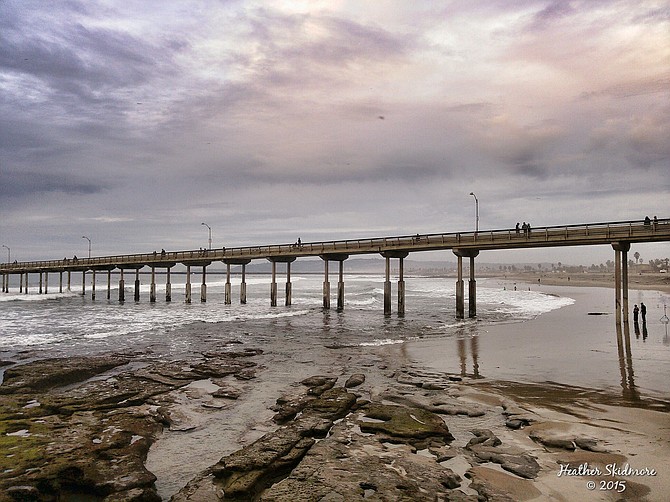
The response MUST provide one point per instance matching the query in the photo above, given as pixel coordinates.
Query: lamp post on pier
(9, 253)
(476, 212)
(89, 244)
(210, 234)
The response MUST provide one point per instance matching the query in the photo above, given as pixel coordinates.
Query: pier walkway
(619, 235)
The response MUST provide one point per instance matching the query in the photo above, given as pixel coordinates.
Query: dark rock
(450, 479)
(23, 493)
(483, 437)
(406, 425)
(553, 442)
(354, 380)
(40, 376)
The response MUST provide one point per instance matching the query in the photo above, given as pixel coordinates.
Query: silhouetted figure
(643, 311)
(636, 312)
(647, 221)
(517, 227)
(655, 222)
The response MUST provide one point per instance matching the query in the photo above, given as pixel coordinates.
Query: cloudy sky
(132, 122)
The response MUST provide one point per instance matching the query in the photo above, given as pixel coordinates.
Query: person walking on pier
(643, 311)
(636, 312)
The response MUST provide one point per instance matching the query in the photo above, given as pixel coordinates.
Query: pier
(619, 235)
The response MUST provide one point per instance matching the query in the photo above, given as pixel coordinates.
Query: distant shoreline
(652, 281)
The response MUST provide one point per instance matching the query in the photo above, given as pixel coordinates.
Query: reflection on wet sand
(626, 360)
(461, 341)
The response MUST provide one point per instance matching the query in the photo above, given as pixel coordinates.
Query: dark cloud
(26, 184)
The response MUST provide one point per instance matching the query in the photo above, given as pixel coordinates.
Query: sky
(134, 122)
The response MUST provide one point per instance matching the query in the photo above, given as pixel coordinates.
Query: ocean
(35, 326)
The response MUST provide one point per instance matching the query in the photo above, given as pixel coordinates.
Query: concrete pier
(187, 298)
(69, 280)
(152, 291)
(203, 286)
(340, 287)
(338, 257)
(227, 299)
(401, 255)
(387, 287)
(621, 280)
(25, 290)
(93, 284)
(137, 285)
(122, 291)
(472, 285)
(243, 286)
(60, 282)
(21, 282)
(326, 286)
(168, 286)
(287, 296)
(109, 284)
(273, 285)
(46, 282)
(83, 282)
(41, 278)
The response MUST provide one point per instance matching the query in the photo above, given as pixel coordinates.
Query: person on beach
(643, 311)
(636, 312)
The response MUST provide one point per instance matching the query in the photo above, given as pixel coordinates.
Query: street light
(89, 244)
(476, 212)
(210, 234)
(9, 253)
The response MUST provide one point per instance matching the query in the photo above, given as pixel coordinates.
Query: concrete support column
(624, 284)
(401, 289)
(460, 290)
(152, 291)
(387, 288)
(617, 285)
(137, 285)
(203, 286)
(168, 286)
(188, 284)
(287, 301)
(93, 285)
(40, 290)
(472, 298)
(83, 283)
(326, 286)
(60, 282)
(46, 283)
(227, 300)
(26, 288)
(621, 280)
(4, 282)
(109, 284)
(472, 285)
(21, 282)
(69, 280)
(243, 286)
(273, 286)
(340, 287)
(122, 291)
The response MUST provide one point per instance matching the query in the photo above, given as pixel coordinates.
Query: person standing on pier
(643, 310)
(636, 312)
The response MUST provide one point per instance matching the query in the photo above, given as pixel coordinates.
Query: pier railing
(509, 238)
